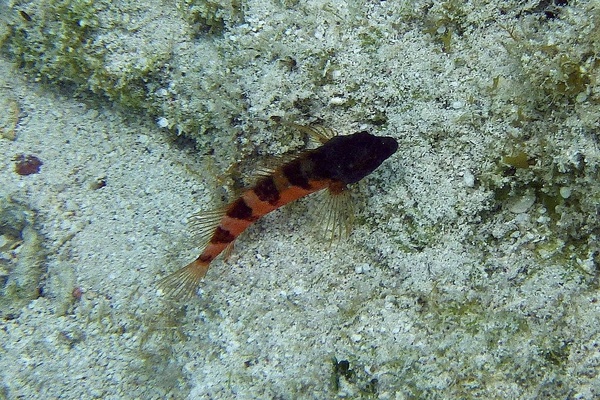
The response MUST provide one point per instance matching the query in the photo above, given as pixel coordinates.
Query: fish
(341, 160)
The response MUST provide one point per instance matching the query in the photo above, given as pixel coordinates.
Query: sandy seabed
(414, 317)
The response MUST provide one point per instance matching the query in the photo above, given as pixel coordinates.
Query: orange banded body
(341, 161)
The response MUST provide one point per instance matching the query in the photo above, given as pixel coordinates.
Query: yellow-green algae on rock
(21, 258)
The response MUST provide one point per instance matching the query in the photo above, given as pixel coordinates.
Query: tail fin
(183, 283)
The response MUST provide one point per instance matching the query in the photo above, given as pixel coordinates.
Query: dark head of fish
(351, 158)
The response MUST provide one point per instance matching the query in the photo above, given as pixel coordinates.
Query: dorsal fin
(318, 133)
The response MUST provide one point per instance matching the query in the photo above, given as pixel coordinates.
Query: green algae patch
(55, 42)
(210, 17)
(556, 57)
(347, 380)
(549, 153)
(22, 258)
(66, 42)
(519, 160)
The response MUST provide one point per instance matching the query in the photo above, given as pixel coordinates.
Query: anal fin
(202, 225)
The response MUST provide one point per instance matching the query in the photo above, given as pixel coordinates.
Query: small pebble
(565, 192)
(143, 139)
(27, 164)
(457, 105)
(337, 101)
(469, 179)
(522, 204)
(162, 122)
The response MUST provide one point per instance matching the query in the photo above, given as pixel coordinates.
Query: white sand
(414, 299)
